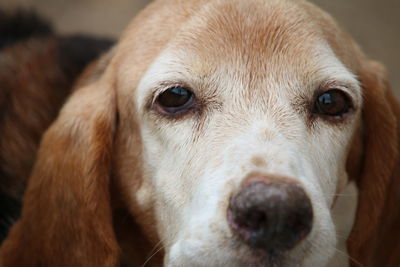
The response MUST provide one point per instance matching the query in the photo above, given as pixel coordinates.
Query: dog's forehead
(267, 26)
(243, 28)
(262, 40)
(253, 37)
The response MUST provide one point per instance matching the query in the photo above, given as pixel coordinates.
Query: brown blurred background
(374, 24)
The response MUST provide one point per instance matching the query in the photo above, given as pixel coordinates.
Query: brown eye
(175, 99)
(333, 103)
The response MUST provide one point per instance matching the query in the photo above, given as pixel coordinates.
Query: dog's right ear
(66, 218)
(374, 240)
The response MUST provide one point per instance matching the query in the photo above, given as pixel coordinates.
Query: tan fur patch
(258, 162)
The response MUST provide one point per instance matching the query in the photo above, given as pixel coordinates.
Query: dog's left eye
(175, 99)
(333, 103)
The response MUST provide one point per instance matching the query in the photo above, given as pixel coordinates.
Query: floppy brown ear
(375, 238)
(66, 218)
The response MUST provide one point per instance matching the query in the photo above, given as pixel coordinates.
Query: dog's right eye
(175, 100)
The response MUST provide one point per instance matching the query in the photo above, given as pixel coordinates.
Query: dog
(217, 133)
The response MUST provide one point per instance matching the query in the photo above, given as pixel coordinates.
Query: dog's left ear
(375, 237)
(67, 218)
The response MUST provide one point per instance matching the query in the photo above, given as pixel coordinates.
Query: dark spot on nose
(274, 214)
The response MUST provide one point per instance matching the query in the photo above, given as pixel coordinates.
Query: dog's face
(236, 99)
(227, 128)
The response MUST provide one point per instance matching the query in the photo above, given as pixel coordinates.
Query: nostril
(273, 215)
(250, 221)
(255, 219)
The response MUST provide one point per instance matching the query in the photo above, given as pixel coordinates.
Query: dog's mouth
(249, 256)
(262, 258)
(233, 253)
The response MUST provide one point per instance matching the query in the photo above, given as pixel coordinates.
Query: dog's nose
(274, 214)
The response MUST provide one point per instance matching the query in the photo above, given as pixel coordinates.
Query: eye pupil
(332, 103)
(175, 99)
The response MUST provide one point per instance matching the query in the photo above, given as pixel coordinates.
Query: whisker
(317, 248)
(155, 247)
(343, 194)
(152, 255)
(348, 256)
(340, 252)
(344, 237)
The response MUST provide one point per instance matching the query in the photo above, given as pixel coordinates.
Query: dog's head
(227, 128)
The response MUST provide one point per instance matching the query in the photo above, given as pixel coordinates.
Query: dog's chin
(195, 253)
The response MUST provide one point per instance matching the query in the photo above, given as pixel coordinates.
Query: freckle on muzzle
(274, 214)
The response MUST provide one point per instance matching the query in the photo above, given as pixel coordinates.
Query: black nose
(274, 214)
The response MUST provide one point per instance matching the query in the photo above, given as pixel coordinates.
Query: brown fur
(258, 161)
(29, 102)
(375, 236)
(68, 208)
(36, 77)
(72, 217)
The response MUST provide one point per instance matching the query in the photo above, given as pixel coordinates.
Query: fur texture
(38, 70)
(116, 181)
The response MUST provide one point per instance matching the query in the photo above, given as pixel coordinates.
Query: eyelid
(348, 87)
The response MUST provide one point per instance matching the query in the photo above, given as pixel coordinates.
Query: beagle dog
(218, 133)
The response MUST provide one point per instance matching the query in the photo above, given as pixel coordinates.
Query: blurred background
(374, 24)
